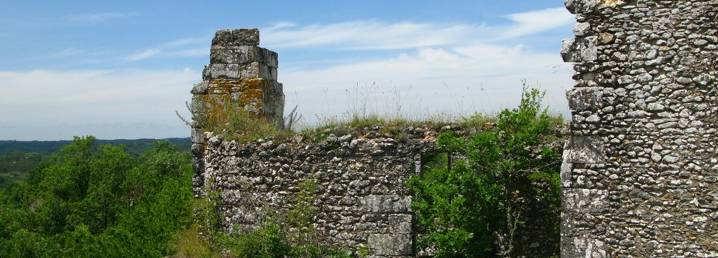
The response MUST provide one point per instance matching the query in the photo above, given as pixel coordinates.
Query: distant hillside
(47, 147)
(18, 158)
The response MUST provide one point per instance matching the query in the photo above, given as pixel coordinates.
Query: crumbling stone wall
(362, 200)
(239, 73)
(640, 172)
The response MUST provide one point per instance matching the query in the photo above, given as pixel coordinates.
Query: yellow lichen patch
(612, 3)
(252, 92)
(244, 92)
(223, 86)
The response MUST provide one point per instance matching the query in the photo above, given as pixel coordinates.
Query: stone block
(400, 223)
(584, 150)
(583, 246)
(585, 200)
(386, 203)
(582, 49)
(239, 71)
(236, 37)
(582, 99)
(200, 88)
(390, 244)
(197, 135)
(243, 55)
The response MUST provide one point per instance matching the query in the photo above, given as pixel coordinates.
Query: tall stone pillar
(241, 74)
(640, 170)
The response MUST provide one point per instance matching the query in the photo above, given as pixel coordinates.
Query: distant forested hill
(47, 147)
(18, 158)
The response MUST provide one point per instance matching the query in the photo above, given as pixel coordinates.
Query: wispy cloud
(367, 35)
(59, 104)
(533, 22)
(183, 47)
(372, 35)
(76, 52)
(100, 17)
(144, 54)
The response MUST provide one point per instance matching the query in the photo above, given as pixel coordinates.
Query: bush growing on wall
(507, 180)
(280, 235)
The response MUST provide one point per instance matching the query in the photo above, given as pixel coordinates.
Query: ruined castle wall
(362, 200)
(640, 172)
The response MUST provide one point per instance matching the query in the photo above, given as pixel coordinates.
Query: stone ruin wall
(239, 73)
(361, 199)
(640, 172)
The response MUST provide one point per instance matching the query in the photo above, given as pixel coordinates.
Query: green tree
(98, 201)
(509, 175)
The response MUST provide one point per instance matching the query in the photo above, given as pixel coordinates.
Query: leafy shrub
(509, 176)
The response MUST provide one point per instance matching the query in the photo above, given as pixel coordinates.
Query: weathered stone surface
(243, 55)
(236, 38)
(640, 166)
(390, 244)
(580, 49)
(386, 203)
(583, 149)
(239, 71)
(361, 179)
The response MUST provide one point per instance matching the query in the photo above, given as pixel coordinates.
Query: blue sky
(119, 69)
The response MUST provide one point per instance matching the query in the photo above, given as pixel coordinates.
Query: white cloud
(105, 99)
(458, 81)
(183, 42)
(100, 17)
(184, 47)
(366, 35)
(144, 54)
(79, 53)
(537, 21)
(369, 34)
(376, 35)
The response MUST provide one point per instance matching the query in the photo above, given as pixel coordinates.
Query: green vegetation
(229, 118)
(48, 147)
(98, 201)
(18, 158)
(15, 165)
(279, 235)
(479, 197)
(90, 200)
(506, 185)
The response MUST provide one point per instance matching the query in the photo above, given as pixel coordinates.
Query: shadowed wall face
(640, 172)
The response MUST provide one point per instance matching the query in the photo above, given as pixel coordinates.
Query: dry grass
(189, 243)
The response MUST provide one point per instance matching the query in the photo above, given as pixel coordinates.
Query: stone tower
(640, 171)
(240, 75)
